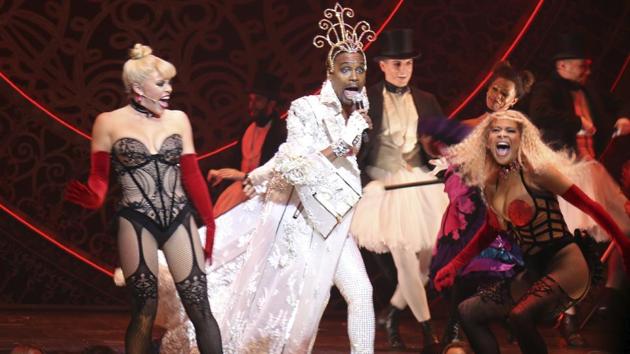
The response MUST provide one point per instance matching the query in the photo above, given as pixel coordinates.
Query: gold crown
(340, 36)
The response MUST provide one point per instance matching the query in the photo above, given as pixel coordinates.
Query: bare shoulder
(550, 178)
(543, 173)
(106, 121)
(175, 113)
(110, 118)
(104, 128)
(104, 118)
(177, 118)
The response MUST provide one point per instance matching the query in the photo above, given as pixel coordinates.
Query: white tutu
(407, 218)
(594, 180)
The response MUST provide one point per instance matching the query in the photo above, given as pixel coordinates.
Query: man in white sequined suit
(270, 285)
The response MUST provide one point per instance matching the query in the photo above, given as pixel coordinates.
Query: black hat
(266, 84)
(397, 44)
(570, 46)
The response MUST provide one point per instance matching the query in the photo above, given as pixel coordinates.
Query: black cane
(413, 184)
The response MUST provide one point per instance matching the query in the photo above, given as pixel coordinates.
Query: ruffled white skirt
(407, 218)
(594, 180)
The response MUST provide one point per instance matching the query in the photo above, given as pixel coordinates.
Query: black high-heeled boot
(569, 329)
(431, 344)
(452, 332)
(391, 327)
(381, 318)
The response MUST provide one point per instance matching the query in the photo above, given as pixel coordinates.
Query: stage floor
(71, 331)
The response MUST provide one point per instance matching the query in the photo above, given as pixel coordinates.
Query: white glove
(354, 127)
(440, 164)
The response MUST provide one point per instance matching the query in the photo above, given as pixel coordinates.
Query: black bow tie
(395, 89)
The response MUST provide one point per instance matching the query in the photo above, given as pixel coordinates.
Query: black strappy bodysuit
(542, 235)
(555, 277)
(546, 231)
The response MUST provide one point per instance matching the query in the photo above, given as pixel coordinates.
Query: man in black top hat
(260, 141)
(409, 219)
(571, 112)
(575, 115)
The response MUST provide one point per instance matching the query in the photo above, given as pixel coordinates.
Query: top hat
(570, 46)
(397, 44)
(266, 84)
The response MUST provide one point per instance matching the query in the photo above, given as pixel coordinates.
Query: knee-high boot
(391, 326)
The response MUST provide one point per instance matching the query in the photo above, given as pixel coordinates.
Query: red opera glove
(92, 195)
(577, 197)
(445, 277)
(197, 191)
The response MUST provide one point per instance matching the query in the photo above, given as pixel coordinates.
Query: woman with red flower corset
(520, 178)
(151, 148)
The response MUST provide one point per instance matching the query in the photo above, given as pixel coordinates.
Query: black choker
(395, 89)
(140, 108)
(506, 170)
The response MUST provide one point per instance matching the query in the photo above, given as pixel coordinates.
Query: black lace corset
(151, 184)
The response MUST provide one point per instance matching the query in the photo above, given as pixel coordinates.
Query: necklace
(506, 170)
(140, 109)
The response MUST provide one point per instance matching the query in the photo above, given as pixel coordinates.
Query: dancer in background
(152, 151)
(576, 115)
(404, 222)
(260, 141)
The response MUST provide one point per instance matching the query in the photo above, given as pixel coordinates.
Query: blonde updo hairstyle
(142, 64)
(476, 164)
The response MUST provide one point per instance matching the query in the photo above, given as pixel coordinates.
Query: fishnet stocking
(541, 298)
(184, 254)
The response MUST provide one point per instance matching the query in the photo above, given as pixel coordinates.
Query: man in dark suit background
(264, 134)
(571, 111)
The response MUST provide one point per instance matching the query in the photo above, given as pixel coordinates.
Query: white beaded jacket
(281, 290)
